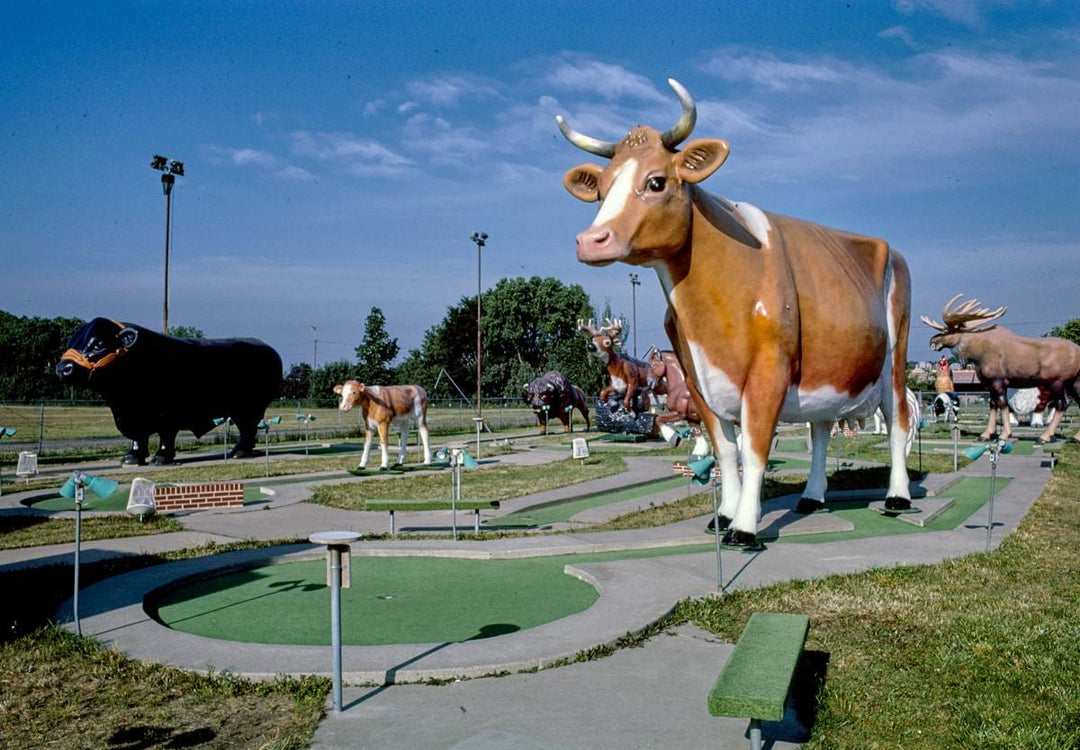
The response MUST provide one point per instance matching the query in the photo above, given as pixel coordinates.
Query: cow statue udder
(772, 318)
(158, 384)
(552, 394)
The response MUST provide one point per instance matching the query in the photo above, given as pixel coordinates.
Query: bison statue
(553, 395)
(158, 384)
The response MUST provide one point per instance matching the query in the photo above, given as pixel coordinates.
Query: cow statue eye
(656, 184)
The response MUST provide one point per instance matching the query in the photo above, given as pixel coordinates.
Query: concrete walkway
(650, 696)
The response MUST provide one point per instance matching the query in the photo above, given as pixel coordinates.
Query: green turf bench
(415, 505)
(1052, 450)
(756, 679)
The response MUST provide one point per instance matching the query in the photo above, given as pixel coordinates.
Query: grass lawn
(62, 691)
(18, 531)
(498, 482)
(979, 652)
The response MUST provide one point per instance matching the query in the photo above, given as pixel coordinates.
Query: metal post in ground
(337, 543)
(716, 517)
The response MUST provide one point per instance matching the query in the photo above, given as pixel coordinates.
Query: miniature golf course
(391, 600)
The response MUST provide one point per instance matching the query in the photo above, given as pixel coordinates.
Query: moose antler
(957, 317)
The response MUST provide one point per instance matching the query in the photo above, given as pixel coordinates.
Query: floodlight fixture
(480, 238)
(170, 169)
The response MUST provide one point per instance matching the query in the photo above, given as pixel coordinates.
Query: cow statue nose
(65, 370)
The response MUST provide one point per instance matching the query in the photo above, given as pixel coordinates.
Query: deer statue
(627, 375)
(1004, 360)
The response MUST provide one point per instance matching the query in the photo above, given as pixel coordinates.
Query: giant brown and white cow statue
(772, 318)
(383, 407)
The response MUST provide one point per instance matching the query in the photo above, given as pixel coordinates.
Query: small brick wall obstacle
(198, 496)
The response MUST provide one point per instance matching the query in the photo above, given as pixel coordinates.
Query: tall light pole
(634, 284)
(314, 350)
(170, 169)
(480, 238)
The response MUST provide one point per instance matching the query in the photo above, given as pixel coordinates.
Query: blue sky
(339, 155)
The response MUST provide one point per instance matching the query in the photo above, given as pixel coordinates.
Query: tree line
(529, 326)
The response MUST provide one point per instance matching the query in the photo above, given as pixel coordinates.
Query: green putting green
(969, 494)
(561, 511)
(791, 445)
(392, 600)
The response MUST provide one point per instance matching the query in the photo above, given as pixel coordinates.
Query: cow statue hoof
(724, 523)
(241, 453)
(162, 459)
(808, 505)
(897, 503)
(740, 540)
(133, 459)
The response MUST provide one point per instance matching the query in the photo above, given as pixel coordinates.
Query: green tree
(186, 332)
(1069, 330)
(29, 351)
(326, 377)
(297, 382)
(529, 327)
(376, 351)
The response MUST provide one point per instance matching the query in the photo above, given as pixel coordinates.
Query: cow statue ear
(700, 158)
(338, 389)
(128, 337)
(583, 182)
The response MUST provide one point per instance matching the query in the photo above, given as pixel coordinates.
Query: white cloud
(898, 32)
(965, 12)
(449, 90)
(351, 153)
(769, 71)
(834, 118)
(578, 74)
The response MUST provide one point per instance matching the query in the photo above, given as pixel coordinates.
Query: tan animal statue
(772, 318)
(627, 376)
(1005, 360)
(382, 407)
(671, 383)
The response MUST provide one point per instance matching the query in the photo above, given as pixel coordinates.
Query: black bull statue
(160, 384)
(553, 395)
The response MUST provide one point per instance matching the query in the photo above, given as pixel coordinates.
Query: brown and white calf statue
(1005, 360)
(772, 318)
(383, 407)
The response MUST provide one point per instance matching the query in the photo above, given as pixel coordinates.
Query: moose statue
(1004, 360)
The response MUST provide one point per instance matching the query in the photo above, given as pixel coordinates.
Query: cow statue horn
(670, 139)
(685, 125)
